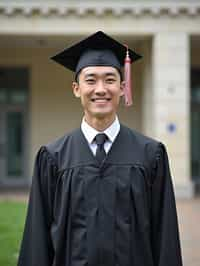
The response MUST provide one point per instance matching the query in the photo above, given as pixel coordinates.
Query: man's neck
(100, 124)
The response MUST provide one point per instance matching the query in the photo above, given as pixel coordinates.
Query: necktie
(100, 152)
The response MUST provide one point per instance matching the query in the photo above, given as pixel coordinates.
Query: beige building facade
(36, 100)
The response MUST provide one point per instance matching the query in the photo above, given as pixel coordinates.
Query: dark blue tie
(100, 152)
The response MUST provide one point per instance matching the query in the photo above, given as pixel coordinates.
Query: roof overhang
(137, 8)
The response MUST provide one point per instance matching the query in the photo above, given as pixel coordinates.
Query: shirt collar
(90, 132)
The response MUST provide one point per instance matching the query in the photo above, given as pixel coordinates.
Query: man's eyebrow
(103, 74)
(90, 75)
(111, 74)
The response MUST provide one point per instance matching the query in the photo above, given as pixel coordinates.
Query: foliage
(12, 218)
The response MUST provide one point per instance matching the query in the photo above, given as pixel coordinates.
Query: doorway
(13, 125)
(195, 125)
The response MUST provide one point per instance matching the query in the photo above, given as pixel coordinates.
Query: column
(170, 104)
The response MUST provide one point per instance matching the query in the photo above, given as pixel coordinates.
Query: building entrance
(195, 125)
(13, 125)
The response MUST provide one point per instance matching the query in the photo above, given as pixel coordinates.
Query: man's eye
(90, 81)
(111, 80)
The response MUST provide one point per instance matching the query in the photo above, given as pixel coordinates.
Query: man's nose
(100, 88)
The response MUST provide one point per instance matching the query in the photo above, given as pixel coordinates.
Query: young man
(101, 195)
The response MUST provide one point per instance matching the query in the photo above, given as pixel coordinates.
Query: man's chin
(102, 114)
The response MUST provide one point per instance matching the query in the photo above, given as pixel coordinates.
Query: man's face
(100, 89)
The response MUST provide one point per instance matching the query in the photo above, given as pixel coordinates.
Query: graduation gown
(119, 213)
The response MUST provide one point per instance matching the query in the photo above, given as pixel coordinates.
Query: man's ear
(122, 86)
(76, 89)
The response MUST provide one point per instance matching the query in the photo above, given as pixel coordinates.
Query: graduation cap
(99, 49)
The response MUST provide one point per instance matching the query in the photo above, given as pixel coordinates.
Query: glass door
(195, 125)
(11, 144)
(195, 135)
(14, 144)
(13, 126)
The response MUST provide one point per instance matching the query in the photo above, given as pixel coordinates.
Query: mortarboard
(99, 49)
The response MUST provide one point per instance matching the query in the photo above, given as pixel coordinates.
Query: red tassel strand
(127, 79)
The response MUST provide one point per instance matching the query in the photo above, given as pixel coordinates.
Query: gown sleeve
(36, 246)
(164, 224)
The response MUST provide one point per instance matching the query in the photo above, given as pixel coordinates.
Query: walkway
(189, 225)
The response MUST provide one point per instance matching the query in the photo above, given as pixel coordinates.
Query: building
(36, 101)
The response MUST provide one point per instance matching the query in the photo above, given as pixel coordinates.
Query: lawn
(12, 216)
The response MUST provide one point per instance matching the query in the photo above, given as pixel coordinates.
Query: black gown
(119, 213)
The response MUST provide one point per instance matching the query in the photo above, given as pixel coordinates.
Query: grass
(12, 218)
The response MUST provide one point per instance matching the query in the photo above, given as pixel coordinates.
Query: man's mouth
(100, 100)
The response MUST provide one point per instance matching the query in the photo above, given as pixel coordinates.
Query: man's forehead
(99, 70)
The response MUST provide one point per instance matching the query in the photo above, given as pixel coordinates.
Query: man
(101, 195)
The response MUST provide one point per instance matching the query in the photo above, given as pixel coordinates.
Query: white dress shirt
(90, 133)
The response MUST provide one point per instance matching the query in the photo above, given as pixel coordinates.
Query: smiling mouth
(100, 100)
